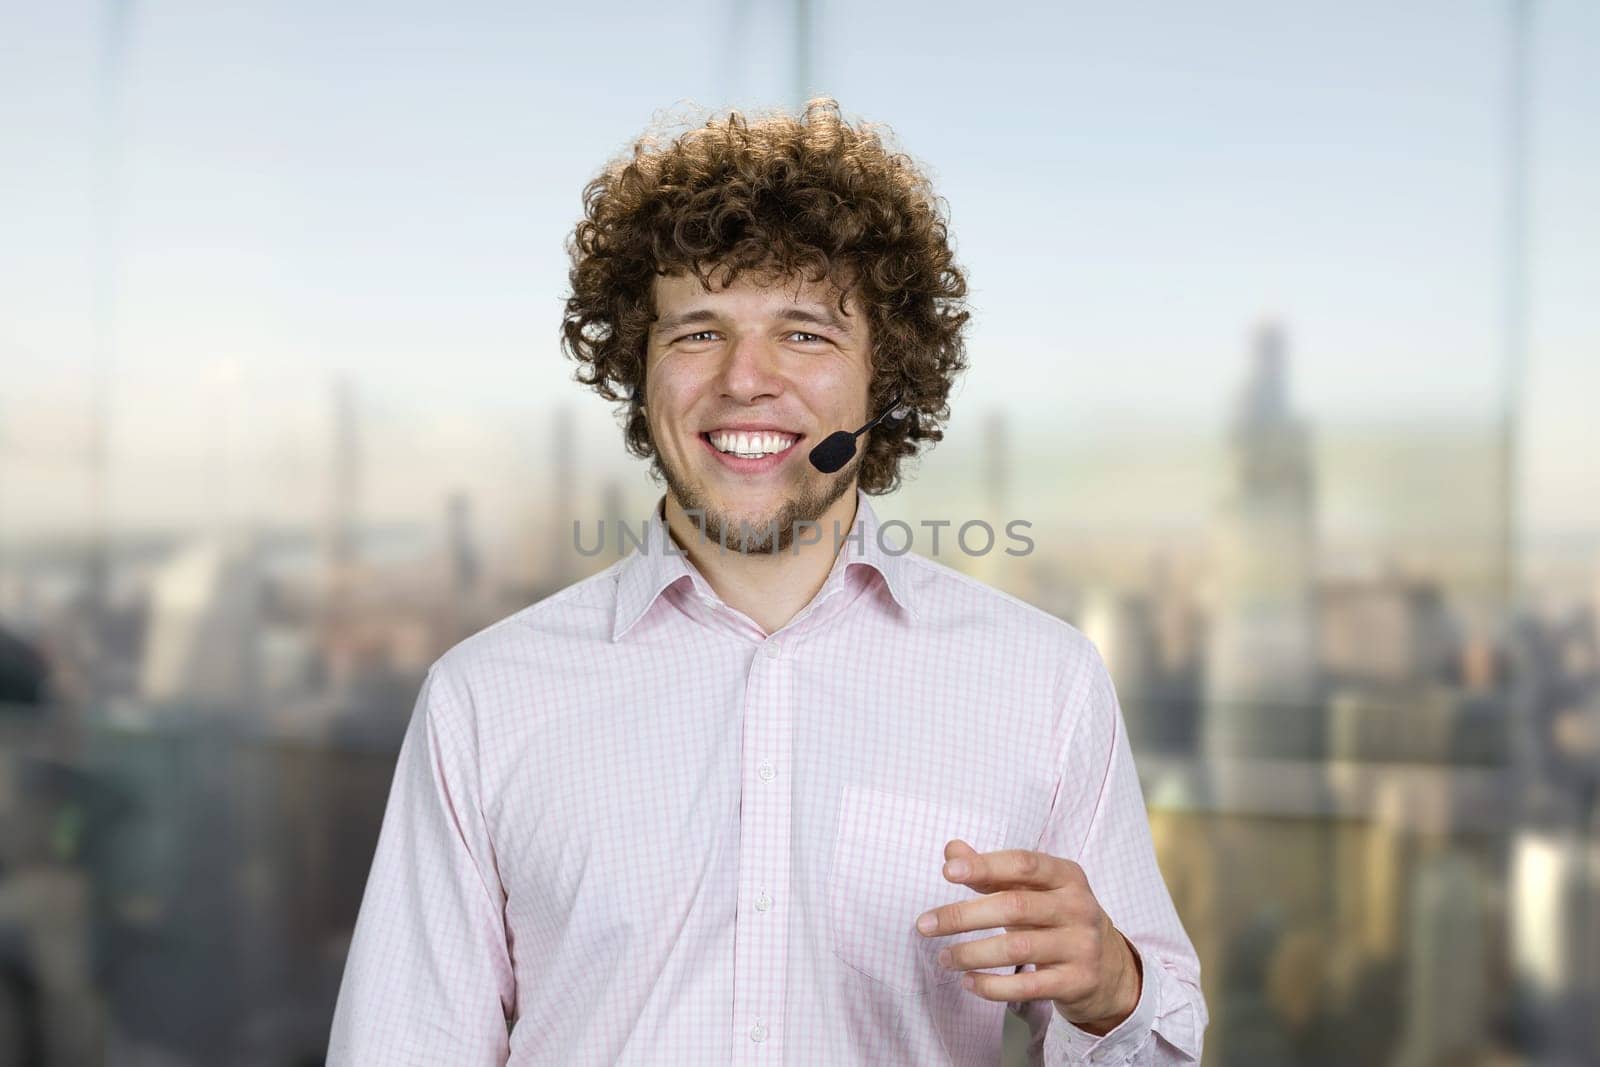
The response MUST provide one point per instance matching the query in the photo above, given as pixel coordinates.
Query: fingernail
(945, 957)
(927, 923)
(967, 981)
(958, 868)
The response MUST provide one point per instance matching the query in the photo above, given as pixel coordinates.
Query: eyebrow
(822, 316)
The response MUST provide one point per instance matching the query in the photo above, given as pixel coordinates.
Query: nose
(750, 371)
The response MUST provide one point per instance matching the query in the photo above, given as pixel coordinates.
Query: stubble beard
(807, 503)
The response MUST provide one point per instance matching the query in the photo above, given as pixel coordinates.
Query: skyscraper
(344, 498)
(562, 501)
(1261, 662)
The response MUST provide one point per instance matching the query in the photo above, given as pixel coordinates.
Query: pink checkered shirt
(628, 826)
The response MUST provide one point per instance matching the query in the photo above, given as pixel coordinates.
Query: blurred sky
(298, 189)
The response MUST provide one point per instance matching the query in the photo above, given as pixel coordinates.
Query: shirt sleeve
(428, 979)
(1098, 819)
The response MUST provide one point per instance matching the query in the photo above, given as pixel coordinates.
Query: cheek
(671, 400)
(839, 392)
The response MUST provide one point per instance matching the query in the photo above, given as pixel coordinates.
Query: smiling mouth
(751, 446)
(752, 453)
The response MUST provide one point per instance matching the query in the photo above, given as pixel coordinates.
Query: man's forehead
(683, 286)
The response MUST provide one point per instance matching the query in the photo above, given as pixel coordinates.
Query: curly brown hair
(780, 197)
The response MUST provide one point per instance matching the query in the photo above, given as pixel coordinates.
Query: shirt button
(766, 771)
(774, 649)
(758, 1032)
(763, 902)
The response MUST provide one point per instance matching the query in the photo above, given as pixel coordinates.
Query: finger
(1028, 985)
(1021, 867)
(1050, 984)
(959, 851)
(1008, 949)
(1008, 908)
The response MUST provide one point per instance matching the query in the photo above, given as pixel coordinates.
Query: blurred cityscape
(1358, 656)
(1373, 788)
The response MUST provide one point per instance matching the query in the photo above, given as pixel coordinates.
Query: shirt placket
(761, 934)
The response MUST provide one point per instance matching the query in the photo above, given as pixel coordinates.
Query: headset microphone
(837, 448)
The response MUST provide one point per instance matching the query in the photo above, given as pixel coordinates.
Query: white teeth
(751, 445)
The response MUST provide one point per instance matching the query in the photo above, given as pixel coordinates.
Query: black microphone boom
(837, 448)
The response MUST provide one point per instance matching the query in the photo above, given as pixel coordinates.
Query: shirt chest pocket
(888, 862)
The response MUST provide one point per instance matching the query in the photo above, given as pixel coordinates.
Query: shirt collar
(660, 563)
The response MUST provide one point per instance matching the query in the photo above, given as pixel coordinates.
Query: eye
(693, 336)
(812, 336)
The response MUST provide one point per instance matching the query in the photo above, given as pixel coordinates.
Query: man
(769, 789)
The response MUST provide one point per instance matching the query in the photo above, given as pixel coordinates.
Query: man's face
(741, 383)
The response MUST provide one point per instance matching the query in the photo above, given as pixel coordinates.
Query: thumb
(959, 849)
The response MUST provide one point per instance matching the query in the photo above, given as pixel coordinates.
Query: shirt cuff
(1065, 1043)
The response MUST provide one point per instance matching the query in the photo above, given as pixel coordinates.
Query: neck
(770, 588)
